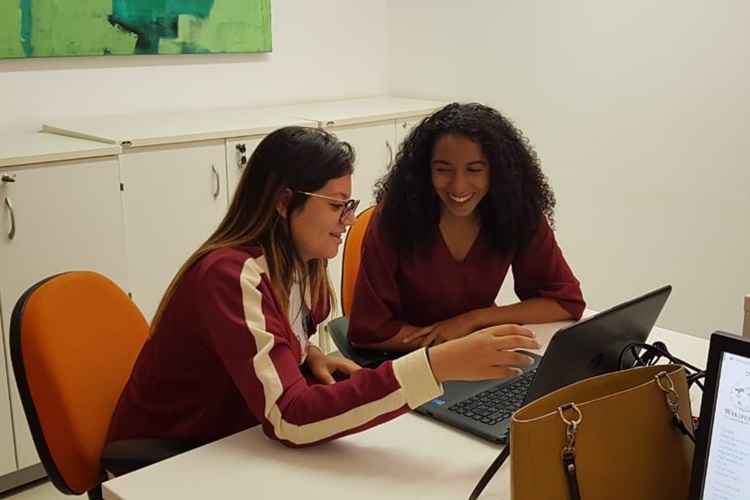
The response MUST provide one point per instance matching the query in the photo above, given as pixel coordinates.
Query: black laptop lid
(593, 345)
(721, 467)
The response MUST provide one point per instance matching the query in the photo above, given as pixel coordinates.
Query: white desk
(410, 457)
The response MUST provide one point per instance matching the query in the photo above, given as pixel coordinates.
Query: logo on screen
(740, 397)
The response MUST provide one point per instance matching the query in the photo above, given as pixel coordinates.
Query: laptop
(721, 464)
(584, 349)
(587, 348)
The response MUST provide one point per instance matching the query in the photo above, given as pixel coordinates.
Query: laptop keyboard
(497, 404)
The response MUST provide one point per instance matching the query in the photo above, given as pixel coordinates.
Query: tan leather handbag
(623, 435)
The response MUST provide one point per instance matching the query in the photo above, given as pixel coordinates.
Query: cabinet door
(404, 126)
(66, 216)
(238, 153)
(7, 448)
(173, 197)
(374, 148)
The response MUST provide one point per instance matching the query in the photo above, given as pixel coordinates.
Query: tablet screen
(728, 452)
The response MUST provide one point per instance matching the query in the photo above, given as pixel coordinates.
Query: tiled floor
(42, 490)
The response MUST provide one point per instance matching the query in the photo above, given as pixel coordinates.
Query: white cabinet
(178, 176)
(374, 147)
(56, 217)
(238, 153)
(403, 127)
(7, 448)
(173, 197)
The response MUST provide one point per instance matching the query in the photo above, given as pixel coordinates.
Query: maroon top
(394, 288)
(225, 358)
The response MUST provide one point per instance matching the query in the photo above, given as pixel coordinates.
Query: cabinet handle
(390, 152)
(241, 149)
(218, 182)
(5, 179)
(12, 231)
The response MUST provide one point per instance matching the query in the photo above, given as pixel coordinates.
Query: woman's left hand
(454, 328)
(323, 367)
(449, 329)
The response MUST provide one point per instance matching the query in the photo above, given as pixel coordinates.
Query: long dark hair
(294, 158)
(518, 196)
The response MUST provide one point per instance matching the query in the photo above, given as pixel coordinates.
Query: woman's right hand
(485, 354)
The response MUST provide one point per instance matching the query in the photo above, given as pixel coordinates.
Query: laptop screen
(723, 448)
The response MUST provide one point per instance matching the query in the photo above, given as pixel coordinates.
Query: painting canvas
(46, 28)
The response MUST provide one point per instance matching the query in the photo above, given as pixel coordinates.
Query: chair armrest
(121, 457)
(339, 328)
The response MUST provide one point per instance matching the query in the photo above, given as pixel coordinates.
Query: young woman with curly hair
(464, 202)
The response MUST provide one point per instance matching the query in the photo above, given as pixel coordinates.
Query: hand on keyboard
(486, 354)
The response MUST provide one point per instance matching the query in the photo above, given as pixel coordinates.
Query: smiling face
(317, 228)
(460, 175)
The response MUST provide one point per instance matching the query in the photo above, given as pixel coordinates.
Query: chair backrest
(746, 322)
(352, 257)
(74, 338)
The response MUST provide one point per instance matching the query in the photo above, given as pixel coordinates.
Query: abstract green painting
(47, 28)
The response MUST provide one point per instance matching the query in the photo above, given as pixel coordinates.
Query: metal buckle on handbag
(569, 450)
(664, 381)
(572, 426)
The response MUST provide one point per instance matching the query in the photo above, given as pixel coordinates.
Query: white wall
(321, 50)
(639, 112)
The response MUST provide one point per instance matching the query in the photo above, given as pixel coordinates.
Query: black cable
(651, 355)
(655, 352)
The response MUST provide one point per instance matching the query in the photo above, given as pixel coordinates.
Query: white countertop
(148, 129)
(38, 147)
(352, 111)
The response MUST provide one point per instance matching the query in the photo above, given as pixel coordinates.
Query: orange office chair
(74, 338)
(339, 327)
(352, 256)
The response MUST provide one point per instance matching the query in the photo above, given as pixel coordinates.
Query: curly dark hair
(518, 196)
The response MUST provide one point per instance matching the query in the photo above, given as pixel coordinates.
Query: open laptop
(721, 465)
(587, 348)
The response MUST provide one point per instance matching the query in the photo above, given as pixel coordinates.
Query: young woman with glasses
(464, 202)
(229, 342)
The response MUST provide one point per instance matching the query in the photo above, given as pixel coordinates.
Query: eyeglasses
(346, 206)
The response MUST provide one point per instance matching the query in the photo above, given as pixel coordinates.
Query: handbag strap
(569, 466)
(490, 472)
(568, 462)
(571, 416)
